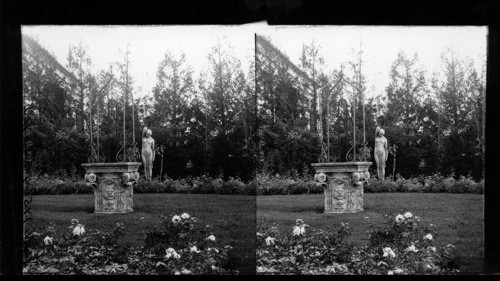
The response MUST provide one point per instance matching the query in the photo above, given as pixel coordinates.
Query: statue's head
(149, 133)
(381, 132)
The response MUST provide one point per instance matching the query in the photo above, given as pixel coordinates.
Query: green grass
(458, 218)
(232, 217)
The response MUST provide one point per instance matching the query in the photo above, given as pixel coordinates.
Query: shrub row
(52, 186)
(261, 185)
(430, 184)
(275, 185)
(198, 185)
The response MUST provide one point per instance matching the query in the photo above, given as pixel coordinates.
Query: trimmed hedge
(199, 185)
(431, 184)
(51, 186)
(261, 185)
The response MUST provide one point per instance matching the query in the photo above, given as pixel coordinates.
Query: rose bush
(398, 247)
(176, 247)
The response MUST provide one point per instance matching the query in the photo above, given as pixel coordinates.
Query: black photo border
(15, 13)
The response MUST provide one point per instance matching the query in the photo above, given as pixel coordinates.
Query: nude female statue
(148, 152)
(381, 152)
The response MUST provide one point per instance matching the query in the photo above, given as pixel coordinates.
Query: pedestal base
(113, 185)
(343, 183)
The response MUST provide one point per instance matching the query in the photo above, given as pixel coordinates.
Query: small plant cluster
(429, 184)
(175, 248)
(398, 247)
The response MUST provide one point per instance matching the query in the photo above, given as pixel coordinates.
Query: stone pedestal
(343, 183)
(113, 185)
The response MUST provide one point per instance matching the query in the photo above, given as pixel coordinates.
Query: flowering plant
(394, 249)
(180, 248)
(174, 248)
(301, 252)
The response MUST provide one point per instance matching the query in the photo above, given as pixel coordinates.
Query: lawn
(459, 218)
(232, 217)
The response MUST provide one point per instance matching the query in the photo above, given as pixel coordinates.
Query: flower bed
(176, 247)
(198, 185)
(398, 247)
(430, 184)
(262, 185)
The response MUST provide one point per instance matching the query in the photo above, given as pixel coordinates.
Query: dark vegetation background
(207, 123)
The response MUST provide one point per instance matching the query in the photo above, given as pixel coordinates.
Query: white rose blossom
(399, 218)
(78, 230)
(412, 249)
(388, 252)
(211, 237)
(194, 249)
(185, 216)
(390, 272)
(176, 219)
(408, 215)
(299, 230)
(171, 253)
(269, 241)
(47, 240)
(185, 271)
(398, 271)
(428, 236)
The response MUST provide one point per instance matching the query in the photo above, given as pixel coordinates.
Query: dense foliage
(177, 247)
(203, 124)
(398, 247)
(436, 125)
(263, 184)
(208, 122)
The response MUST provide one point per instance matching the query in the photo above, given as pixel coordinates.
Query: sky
(148, 45)
(380, 45)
